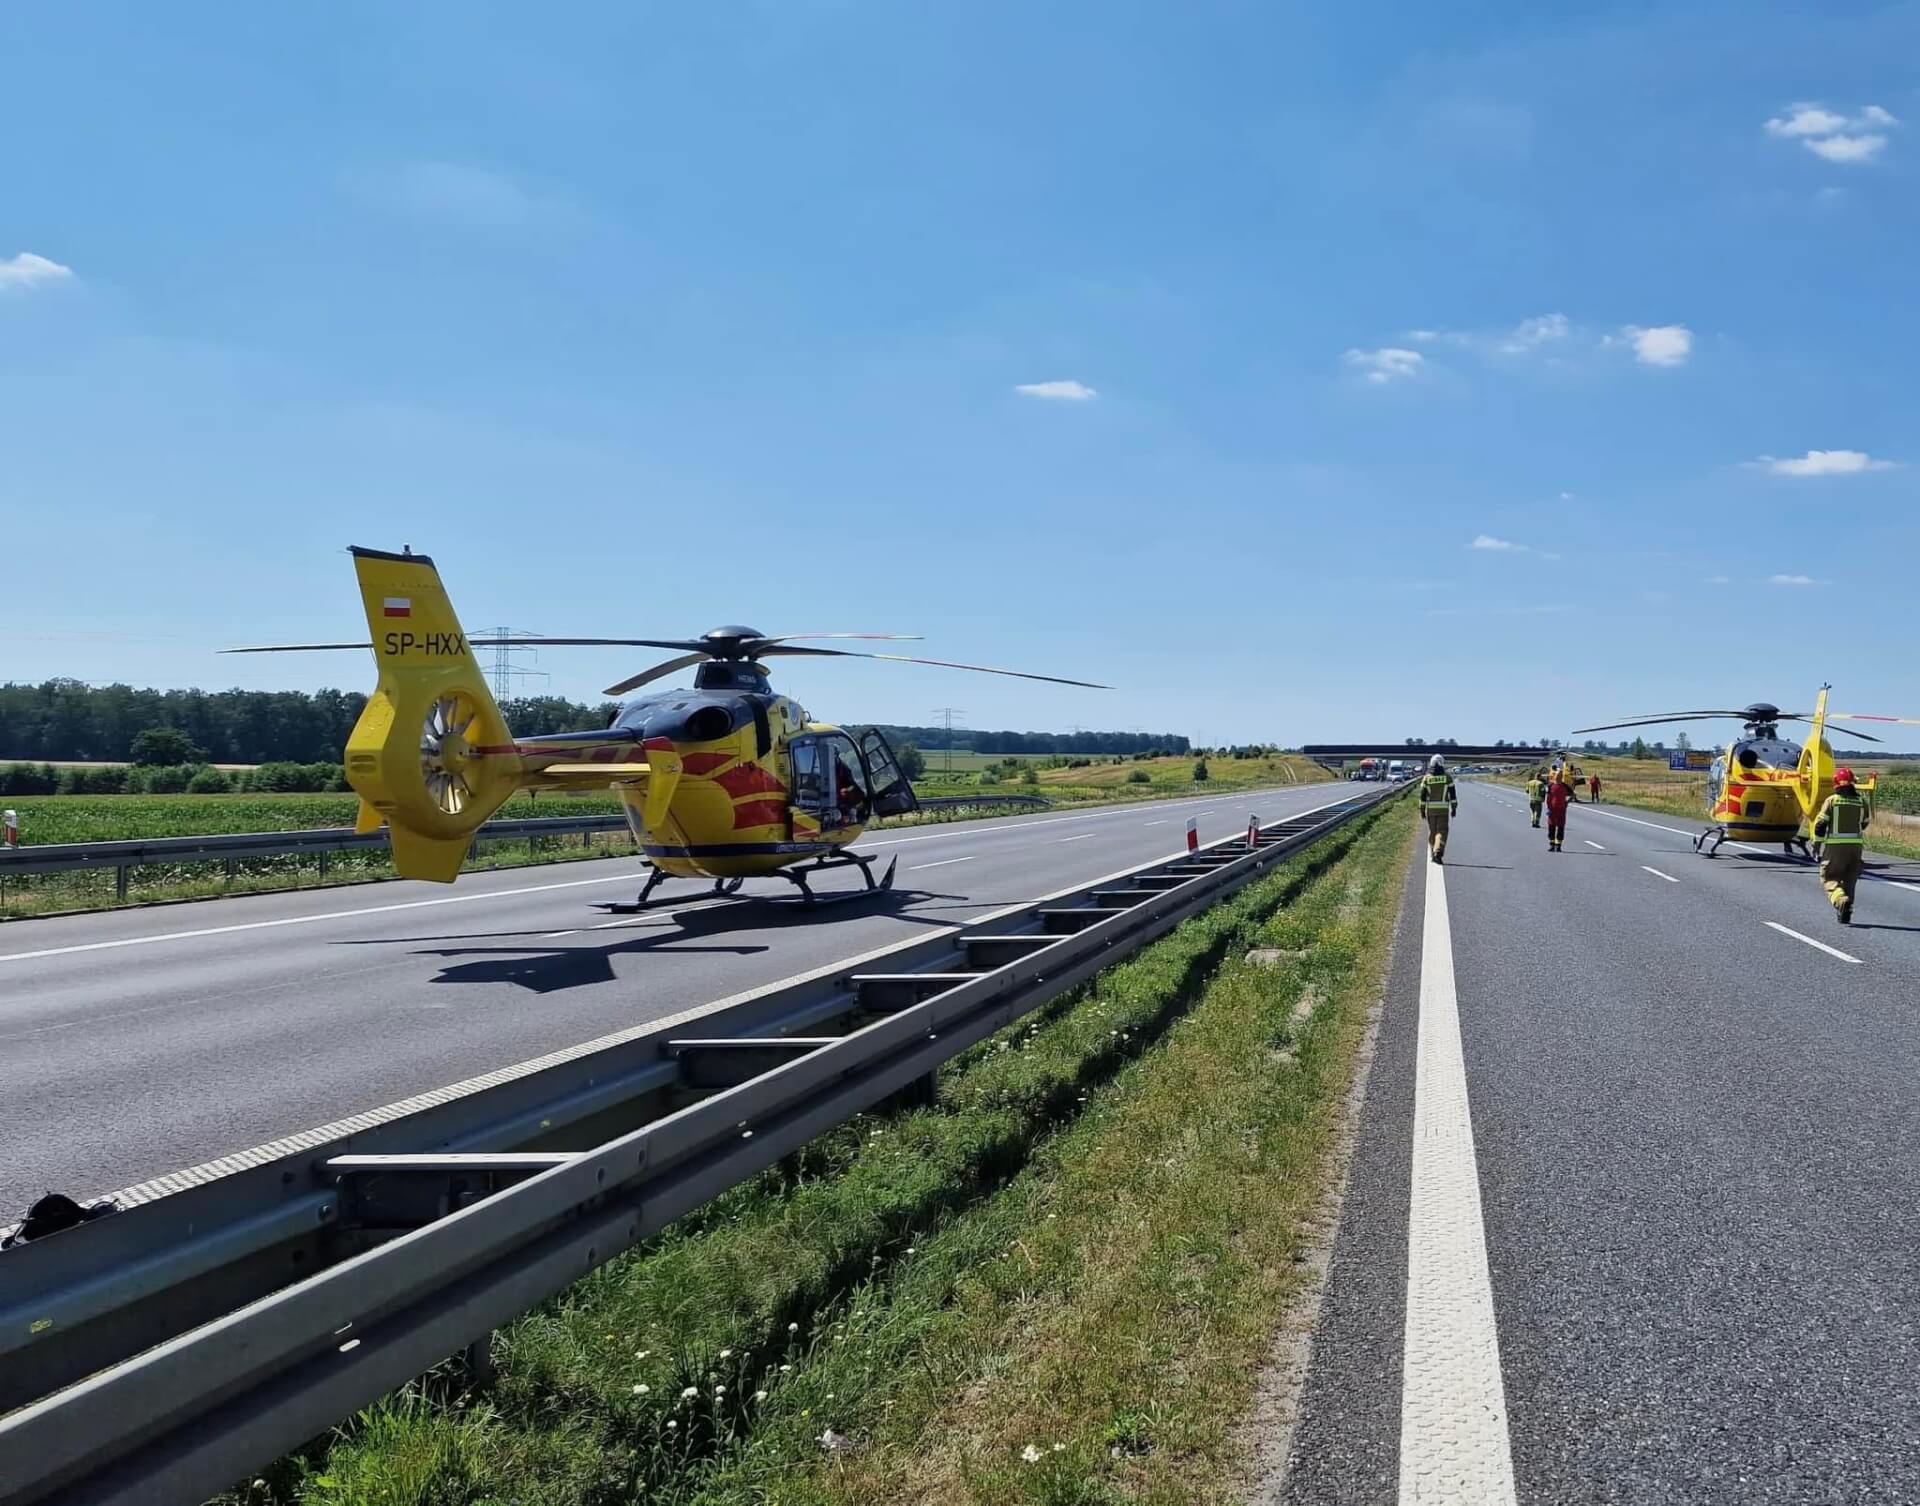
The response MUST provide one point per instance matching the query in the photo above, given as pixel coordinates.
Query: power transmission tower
(947, 714)
(505, 671)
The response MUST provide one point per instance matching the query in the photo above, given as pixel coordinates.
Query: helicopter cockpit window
(809, 772)
(849, 780)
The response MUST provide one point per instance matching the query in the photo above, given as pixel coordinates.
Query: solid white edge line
(1831, 951)
(1454, 1446)
(1658, 874)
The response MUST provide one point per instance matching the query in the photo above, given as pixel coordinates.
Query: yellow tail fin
(431, 753)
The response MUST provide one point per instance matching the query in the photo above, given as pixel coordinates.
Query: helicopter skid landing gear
(655, 878)
(798, 876)
(1717, 833)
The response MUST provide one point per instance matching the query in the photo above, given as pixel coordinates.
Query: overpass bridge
(1338, 756)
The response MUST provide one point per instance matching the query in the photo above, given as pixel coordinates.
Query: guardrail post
(232, 865)
(323, 865)
(120, 881)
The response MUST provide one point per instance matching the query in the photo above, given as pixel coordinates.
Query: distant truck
(1397, 769)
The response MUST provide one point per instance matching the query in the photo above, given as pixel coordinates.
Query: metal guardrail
(122, 857)
(240, 1308)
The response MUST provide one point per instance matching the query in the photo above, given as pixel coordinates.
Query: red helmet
(1843, 775)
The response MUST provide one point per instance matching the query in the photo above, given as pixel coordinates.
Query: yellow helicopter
(725, 781)
(1764, 787)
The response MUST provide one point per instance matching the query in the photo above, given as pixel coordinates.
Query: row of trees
(71, 721)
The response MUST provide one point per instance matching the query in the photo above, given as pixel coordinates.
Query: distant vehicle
(1397, 769)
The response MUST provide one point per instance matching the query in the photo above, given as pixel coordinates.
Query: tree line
(71, 721)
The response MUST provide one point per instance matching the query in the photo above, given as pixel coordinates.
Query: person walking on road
(1440, 800)
(1559, 797)
(1536, 792)
(1840, 825)
(1593, 786)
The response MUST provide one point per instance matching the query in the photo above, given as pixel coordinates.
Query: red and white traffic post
(1253, 832)
(10, 826)
(1193, 834)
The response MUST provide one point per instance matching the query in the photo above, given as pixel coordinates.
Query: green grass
(1073, 1217)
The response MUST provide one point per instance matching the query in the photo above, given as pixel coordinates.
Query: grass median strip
(911, 1266)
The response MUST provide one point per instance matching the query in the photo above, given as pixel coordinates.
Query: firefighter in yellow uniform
(1536, 792)
(1440, 801)
(1840, 825)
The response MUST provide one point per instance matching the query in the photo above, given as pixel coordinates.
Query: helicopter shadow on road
(583, 963)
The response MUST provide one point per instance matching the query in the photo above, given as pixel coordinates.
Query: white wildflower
(641, 1390)
(759, 1396)
(689, 1393)
(1030, 1454)
(726, 1354)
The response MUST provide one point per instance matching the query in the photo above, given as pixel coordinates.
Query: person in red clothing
(1593, 787)
(1559, 797)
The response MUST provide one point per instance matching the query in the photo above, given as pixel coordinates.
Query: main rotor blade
(659, 671)
(983, 669)
(1861, 716)
(1671, 716)
(291, 648)
(792, 637)
(1843, 731)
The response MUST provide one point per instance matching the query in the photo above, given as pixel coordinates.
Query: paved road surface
(1693, 1274)
(138, 1042)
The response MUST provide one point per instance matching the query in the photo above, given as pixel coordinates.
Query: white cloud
(1531, 334)
(1823, 463)
(1806, 120)
(28, 271)
(1058, 392)
(1848, 148)
(1424, 336)
(1793, 580)
(1836, 138)
(1388, 364)
(1660, 344)
(1498, 546)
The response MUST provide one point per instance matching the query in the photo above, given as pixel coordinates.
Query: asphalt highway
(1671, 1253)
(134, 1043)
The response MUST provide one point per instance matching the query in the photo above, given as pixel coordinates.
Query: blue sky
(1190, 347)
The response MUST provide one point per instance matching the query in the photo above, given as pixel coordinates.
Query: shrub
(29, 779)
(108, 780)
(1027, 774)
(172, 780)
(209, 781)
(989, 776)
(1200, 774)
(1139, 776)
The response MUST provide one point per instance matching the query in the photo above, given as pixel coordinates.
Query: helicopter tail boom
(431, 754)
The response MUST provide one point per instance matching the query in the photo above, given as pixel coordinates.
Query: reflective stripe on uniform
(1846, 822)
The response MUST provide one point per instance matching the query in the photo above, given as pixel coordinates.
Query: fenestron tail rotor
(444, 751)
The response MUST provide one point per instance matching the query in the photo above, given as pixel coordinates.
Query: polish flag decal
(398, 606)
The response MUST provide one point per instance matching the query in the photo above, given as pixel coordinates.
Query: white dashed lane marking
(918, 867)
(1831, 951)
(1453, 1408)
(1596, 847)
(1659, 875)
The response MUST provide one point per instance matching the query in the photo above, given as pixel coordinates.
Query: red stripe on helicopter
(759, 813)
(749, 779)
(706, 763)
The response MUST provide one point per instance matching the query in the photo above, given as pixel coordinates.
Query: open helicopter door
(892, 792)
